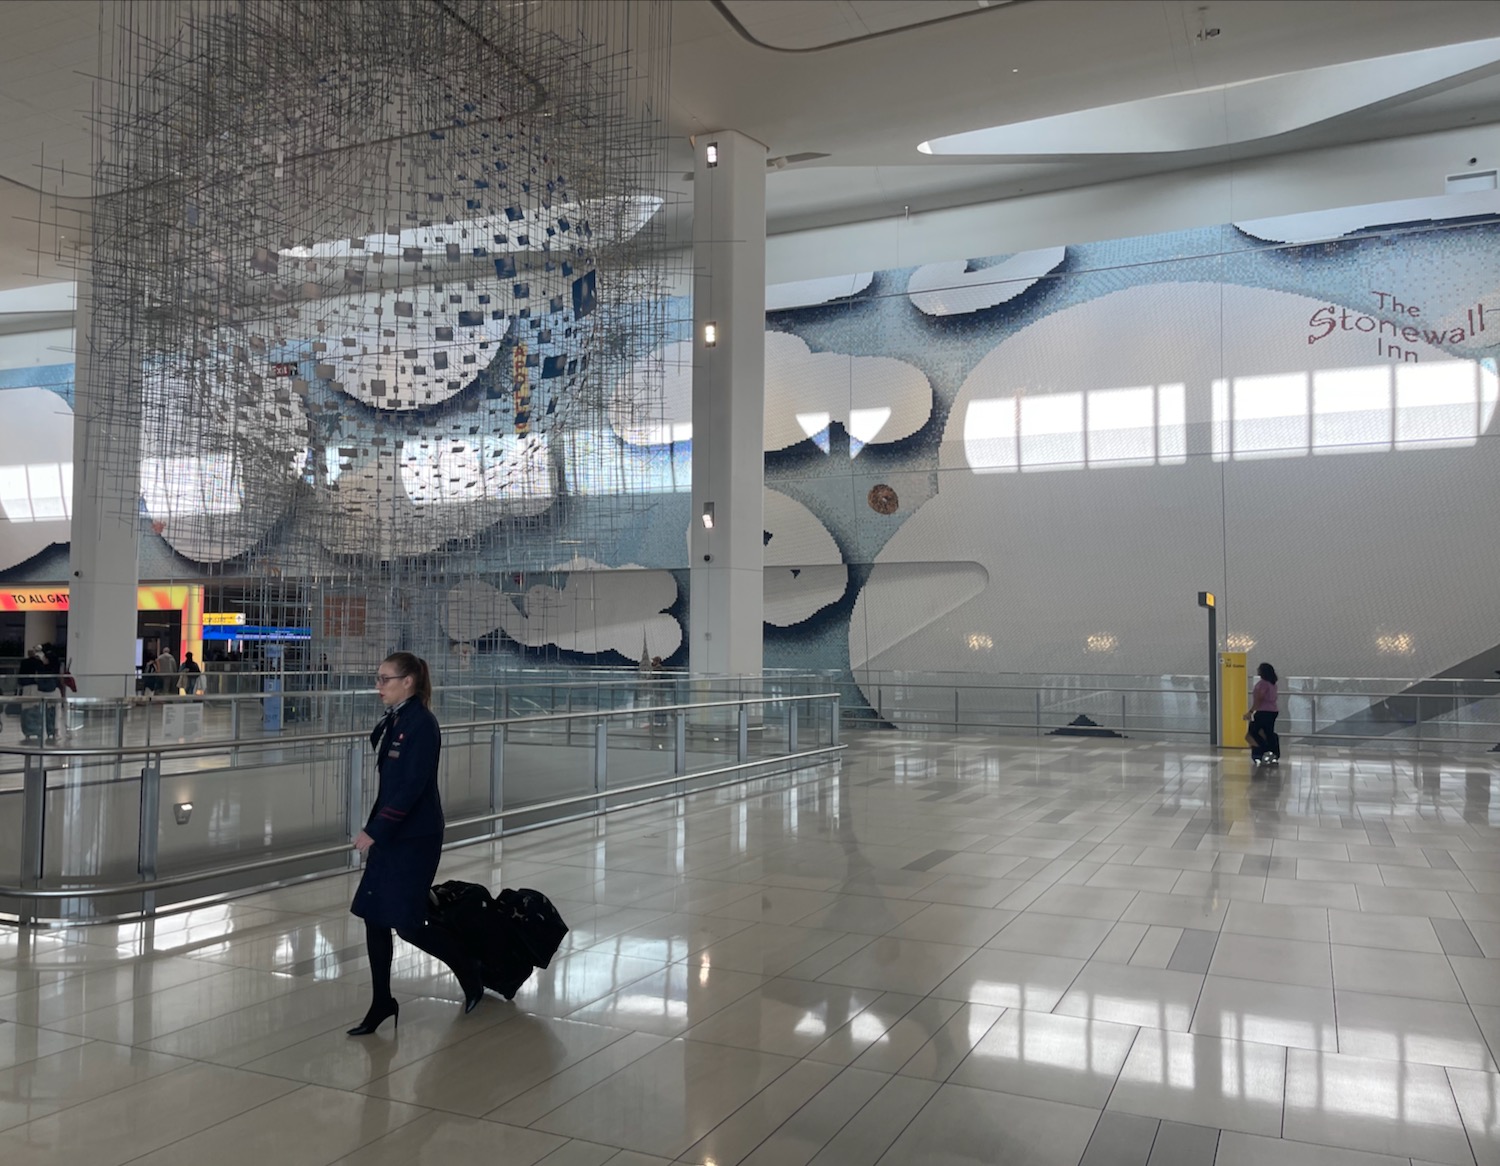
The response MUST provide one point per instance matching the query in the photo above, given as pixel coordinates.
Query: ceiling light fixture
(711, 155)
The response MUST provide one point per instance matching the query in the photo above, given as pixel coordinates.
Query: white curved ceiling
(867, 103)
(1226, 115)
(804, 25)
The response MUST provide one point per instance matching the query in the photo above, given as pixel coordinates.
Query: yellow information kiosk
(1234, 699)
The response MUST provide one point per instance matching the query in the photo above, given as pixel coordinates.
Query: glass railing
(155, 717)
(239, 679)
(96, 831)
(1405, 713)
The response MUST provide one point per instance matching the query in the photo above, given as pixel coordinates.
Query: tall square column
(103, 558)
(729, 385)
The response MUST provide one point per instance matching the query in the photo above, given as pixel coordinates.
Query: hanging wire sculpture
(367, 280)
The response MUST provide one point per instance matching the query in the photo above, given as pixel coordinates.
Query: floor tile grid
(174, 1065)
(914, 1117)
(1061, 873)
(1283, 1117)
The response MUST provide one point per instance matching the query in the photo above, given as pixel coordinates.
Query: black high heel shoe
(473, 986)
(376, 1017)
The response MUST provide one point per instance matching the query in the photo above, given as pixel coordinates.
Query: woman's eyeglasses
(379, 679)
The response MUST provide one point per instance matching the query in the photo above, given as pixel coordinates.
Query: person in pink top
(1265, 745)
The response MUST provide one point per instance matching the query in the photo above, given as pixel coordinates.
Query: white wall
(36, 326)
(1353, 175)
(29, 349)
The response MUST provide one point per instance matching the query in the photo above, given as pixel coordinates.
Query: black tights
(433, 940)
(1263, 736)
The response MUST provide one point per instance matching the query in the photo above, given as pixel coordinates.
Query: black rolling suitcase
(540, 926)
(510, 935)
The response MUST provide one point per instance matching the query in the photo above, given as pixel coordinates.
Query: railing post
(570, 719)
(955, 708)
(742, 753)
(354, 796)
(1039, 712)
(791, 727)
(120, 714)
(1314, 712)
(234, 731)
(33, 830)
(601, 755)
(497, 777)
(150, 827)
(1123, 719)
(836, 714)
(680, 743)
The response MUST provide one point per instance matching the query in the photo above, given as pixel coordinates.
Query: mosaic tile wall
(1032, 463)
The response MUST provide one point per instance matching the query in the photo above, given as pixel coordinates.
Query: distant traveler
(166, 670)
(193, 674)
(39, 670)
(1265, 745)
(403, 840)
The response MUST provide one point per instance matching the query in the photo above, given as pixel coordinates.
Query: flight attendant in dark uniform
(403, 840)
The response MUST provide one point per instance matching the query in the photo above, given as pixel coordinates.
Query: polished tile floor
(943, 951)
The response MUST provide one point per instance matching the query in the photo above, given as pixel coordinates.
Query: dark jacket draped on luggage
(406, 821)
(509, 935)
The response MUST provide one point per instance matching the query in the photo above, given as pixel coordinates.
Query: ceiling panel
(800, 25)
(47, 56)
(867, 103)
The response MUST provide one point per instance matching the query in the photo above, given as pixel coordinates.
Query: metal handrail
(356, 734)
(883, 673)
(1485, 689)
(147, 885)
(151, 699)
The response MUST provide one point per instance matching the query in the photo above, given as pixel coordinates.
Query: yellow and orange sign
(185, 598)
(34, 599)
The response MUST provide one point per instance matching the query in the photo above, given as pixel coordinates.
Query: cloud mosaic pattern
(228, 462)
(810, 293)
(877, 399)
(1322, 226)
(804, 569)
(596, 610)
(955, 288)
(412, 348)
(1098, 474)
(414, 494)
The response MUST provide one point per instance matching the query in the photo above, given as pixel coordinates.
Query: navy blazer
(407, 744)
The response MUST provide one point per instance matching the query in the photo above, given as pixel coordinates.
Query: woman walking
(1265, 745)
(403, 840)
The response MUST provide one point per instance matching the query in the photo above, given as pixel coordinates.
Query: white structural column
(41, 628)
(729, 387)
(103, 564)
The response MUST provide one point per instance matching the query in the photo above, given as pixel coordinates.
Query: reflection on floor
(947, 951)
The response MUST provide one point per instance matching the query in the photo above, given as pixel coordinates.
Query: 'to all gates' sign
(170, 598)
(34, 599)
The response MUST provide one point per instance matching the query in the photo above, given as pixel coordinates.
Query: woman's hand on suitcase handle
(363, 842)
